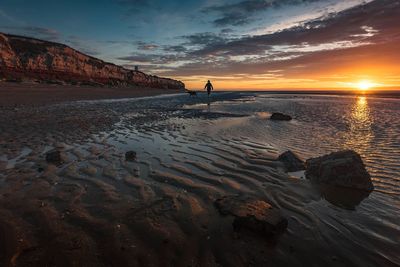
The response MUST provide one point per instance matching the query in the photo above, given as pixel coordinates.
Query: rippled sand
(97, 209)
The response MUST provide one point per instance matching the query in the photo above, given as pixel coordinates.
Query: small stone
(280, 117)
(130, 156)
(291, 161)
(54, 157)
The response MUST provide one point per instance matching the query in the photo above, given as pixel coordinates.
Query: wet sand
(12, 94)
(97, 209)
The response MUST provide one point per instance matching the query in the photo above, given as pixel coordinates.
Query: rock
(130, 156)
(291, 161)
(54, 157)
(252, 214)
(343, 168)
(280, 117)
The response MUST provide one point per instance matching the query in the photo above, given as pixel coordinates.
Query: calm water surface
(363, 229)
(322, 124)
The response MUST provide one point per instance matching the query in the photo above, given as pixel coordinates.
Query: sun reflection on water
(360, 133)
(360, 113)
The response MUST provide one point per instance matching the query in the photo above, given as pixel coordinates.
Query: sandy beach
(12, 94)
(95, 208)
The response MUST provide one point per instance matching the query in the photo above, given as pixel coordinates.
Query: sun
(364, 85)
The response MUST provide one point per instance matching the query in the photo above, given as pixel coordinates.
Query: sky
(241, 44)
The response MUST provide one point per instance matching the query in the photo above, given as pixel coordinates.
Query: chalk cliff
(23, 58)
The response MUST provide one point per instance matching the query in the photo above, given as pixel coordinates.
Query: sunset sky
(251, 44)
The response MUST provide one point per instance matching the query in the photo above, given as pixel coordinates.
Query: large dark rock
(280, 117)
(54, 157)
(343, 168)
(252, 214)
(291, 161)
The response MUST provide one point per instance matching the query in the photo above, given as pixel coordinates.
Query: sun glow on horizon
(364, 85)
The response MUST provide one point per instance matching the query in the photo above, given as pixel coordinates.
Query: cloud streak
(241, 13)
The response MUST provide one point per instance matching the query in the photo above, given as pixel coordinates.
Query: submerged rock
(343, 197)
(130, 156)
(343, 168)
(252, 214)
(280, 117)
(291, 161)
(54, 157)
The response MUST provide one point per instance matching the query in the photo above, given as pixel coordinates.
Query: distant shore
(393, 93)
(14, 94)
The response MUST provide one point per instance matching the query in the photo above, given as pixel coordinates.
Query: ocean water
(191, 151)
(229, 146)
(322, 124)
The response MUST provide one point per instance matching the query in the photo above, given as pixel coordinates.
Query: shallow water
(322, 124)
(190, 151)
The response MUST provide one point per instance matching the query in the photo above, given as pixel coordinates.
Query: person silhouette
(209, 87)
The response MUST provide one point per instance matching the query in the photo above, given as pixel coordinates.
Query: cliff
(23, 58)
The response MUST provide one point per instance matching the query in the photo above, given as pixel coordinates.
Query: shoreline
(22, 94)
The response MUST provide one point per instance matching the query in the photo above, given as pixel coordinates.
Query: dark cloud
(242, 13)
(146, 46)
(201, 39)
(226, 31)
(232, 19)
(351, 25)
(175, 48)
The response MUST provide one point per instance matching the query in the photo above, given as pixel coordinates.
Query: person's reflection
(208, 107)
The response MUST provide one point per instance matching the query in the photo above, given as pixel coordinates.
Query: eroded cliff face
(26, 58)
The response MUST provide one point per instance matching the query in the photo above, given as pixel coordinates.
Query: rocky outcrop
(252, 214)
(343, 168)
(280, 117)
(23, 58)
(291, 161)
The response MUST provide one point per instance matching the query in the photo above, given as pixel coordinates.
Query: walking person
(208, 87)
